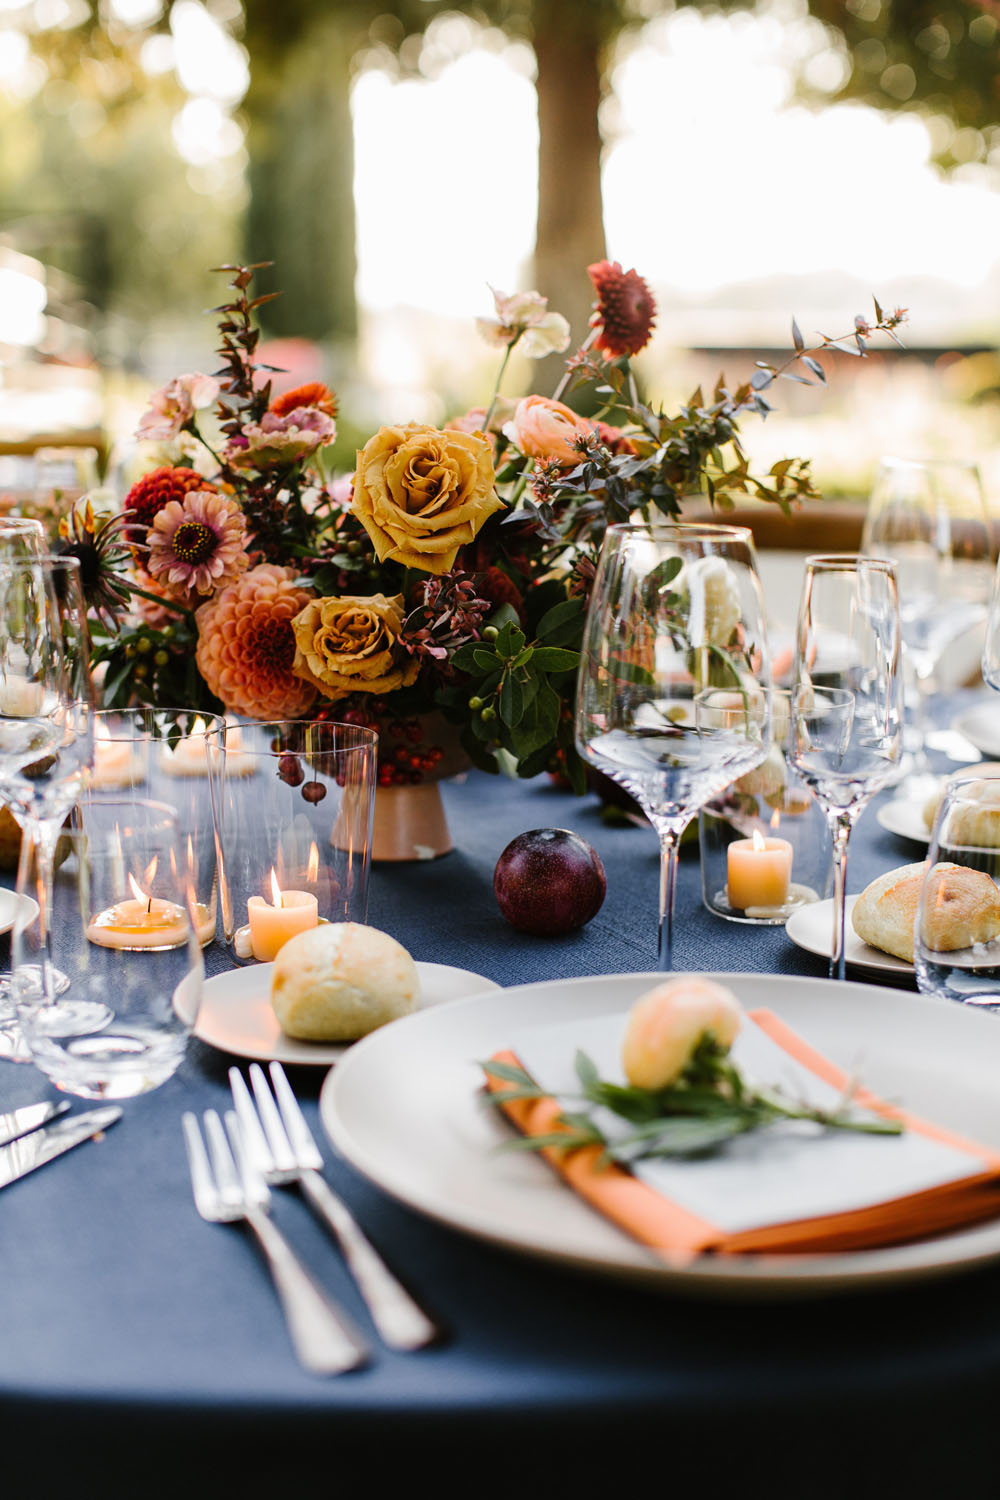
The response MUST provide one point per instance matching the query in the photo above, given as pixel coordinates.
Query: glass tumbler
(956, 943)
(118, 923)
(296, 826)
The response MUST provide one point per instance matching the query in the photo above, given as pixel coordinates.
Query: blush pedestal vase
(409, 823)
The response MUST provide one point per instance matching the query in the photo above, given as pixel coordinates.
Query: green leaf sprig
(709, 1104)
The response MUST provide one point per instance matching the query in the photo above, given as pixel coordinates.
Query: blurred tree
(938, 56)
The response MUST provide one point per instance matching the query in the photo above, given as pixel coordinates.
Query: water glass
(954, 960)
(172, 756)
(107, 968)
(295, 826)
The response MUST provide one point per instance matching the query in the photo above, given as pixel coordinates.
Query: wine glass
(118, 915)
(930, 519)
(673, 696)
(46, 711)
(847, 699)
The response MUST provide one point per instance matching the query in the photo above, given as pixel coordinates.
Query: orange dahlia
(312, 394)
(153, 491)
(624, 312)
(246, 645)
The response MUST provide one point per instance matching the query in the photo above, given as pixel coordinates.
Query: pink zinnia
(198, 543)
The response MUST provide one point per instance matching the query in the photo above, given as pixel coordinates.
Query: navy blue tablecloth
(140, 1347)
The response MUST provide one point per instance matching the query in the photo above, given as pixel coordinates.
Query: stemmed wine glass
(673, 697)
(46, 715)
(930, 519)
(847, 699)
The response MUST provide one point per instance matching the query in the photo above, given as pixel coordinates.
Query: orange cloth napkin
(666, 1227)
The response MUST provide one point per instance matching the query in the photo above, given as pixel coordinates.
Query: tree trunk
(568, 44)
(301, 209)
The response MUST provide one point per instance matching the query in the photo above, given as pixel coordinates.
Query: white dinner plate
(9, 903)
(236, 1014)
(904, 818)
(811, 927)
(981, 725)
(405, 1107)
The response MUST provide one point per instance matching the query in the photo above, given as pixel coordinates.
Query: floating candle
(272, 926)
(758, 871)
(146, 922)
(20, 698)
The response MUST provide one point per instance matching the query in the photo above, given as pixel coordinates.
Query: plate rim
(19, 900)
(880, 963)
(960, 725)
(327, 1054)
(886, 823)
(721, 1276)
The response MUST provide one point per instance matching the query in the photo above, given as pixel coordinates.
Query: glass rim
(43, 560)
(168, 817)
(213, 722)
(368, 737)
(689, 528)
(848, 562)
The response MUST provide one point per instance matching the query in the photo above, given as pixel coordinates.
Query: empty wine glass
(956, 948)
(46, 710)
(930, 519)
(672, 693)
(847, 699)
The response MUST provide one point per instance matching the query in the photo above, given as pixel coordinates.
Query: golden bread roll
(964, 909)
(340, 980)
(985, 789)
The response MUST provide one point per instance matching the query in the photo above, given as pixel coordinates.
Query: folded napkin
(785, 1188)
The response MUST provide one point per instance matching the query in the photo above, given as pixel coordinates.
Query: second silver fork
(283, 1149)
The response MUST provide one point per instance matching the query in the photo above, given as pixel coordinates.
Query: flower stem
(496, 389)
(181, 609)
(591, 336)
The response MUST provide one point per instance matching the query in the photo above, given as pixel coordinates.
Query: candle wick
(149, 907)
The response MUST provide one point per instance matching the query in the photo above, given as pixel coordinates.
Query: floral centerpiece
(447, 576)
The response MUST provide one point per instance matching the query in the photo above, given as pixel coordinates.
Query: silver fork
(228, 1188)
(282, 1147)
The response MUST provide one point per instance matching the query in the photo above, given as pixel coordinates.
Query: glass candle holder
(295, 830)
(107, 967)
(178, 758)
(764, 842)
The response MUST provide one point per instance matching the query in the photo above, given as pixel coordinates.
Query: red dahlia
(153, 491)
(624, 312)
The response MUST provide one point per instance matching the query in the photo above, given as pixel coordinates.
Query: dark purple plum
(549, 881)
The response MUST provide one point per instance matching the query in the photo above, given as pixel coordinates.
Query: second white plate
(981, 725)
(905, 819)
(9, 903)
(236, 1014)
(811, 928)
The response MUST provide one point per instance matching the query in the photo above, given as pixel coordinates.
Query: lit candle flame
(275, 889)
(775, 819)
(104, 735)
(759, 842)
(312, 864)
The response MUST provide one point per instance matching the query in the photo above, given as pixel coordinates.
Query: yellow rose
(351, 645)
(422, 494)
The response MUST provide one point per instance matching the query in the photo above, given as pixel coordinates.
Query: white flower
(173, 406)
(524, 316)
(714, 607)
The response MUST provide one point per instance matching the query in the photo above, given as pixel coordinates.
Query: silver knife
(20, 1121)
(41, 1146)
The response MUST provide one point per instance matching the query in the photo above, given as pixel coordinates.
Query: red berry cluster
(399, 764)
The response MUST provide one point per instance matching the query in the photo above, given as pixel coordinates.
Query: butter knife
(20, 1121)
(22, 1156)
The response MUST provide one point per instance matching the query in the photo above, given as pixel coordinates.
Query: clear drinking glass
(930, 519)
(847, 699)
(295, 827)
(956, 960)
(672, 698)
(173, 756)
(116, 918)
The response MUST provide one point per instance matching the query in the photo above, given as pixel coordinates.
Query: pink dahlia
(198, 543)
(246, 645)
(280, 439)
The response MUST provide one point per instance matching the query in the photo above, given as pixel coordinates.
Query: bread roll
(964, 909)
(340, 980)
(982, 829)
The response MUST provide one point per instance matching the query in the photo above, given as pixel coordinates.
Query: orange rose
(547, 430)
(351, 645)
